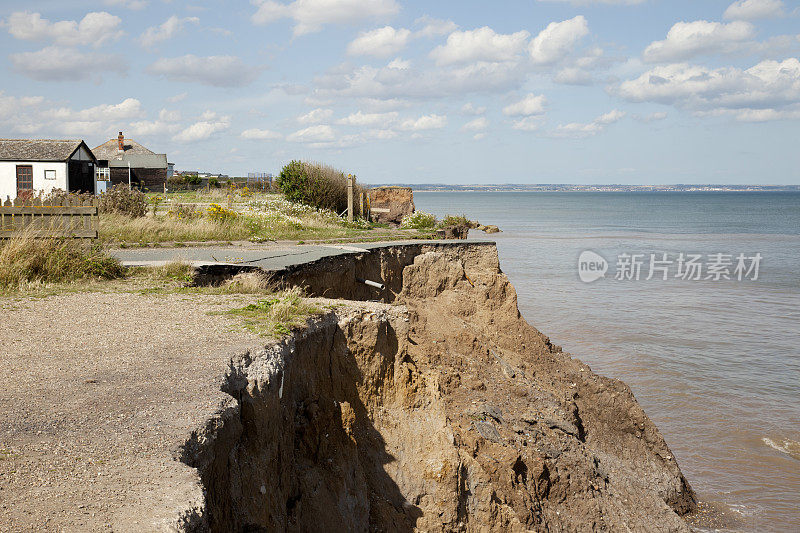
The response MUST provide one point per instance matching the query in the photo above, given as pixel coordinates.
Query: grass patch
(25, 261)
(276, 315)
(151, 229)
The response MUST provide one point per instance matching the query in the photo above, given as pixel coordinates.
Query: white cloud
(321, 133)
(218, 71)
(482, 44)
(209, 124)
(369, 119)
(261, 135)
(56, 63)
(128, 108)
(390, 82)
(151, 127)
(652, 117)
(94, 29)
(169, 116)
(573, 76)
(432, 27)
(425, 122)
(177, 98)
(128, 4)
(470, 109)
(315, 116)
(688, 39)
(311, 15)
(382, 42)
(557, 40)
(530, 105)
(754, 9)
(531, 123)
(169, 29)
(578, 130)
(478, 124)
(769, 85)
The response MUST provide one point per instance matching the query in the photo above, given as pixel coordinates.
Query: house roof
(150, 160)
(37, 149)
(110, 149)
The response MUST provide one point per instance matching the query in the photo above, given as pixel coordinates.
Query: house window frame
(29, 173)
(103, 173)
(50, 174)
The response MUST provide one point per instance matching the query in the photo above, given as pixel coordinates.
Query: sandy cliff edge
(443, 411)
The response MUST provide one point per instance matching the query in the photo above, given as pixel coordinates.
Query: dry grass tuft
(120, 228)
(25, 260)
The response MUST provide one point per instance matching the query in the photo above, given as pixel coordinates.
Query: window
(103, 174)
(24, 178)
(49, 174)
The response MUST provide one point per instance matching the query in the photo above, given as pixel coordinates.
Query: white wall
(8, 177)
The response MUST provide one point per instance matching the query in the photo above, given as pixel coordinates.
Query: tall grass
(25, 259)
(121, 228)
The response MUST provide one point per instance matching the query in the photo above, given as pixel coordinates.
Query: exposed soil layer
(440, 411)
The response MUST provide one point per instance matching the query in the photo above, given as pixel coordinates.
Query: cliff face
(444, 411)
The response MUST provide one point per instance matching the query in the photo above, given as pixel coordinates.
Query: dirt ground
(98, 389)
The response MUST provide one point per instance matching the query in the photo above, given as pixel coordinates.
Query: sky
(461, 92)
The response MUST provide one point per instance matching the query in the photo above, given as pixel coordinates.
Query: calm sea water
(716, 364)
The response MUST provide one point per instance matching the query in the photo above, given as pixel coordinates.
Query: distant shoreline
(434, 187)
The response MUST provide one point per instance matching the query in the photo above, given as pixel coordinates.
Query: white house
(41, 165)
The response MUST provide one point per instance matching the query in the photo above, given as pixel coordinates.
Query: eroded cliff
(441, 411)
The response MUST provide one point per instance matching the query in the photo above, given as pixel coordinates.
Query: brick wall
(150, 178)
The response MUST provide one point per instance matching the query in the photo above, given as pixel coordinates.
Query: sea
(712, 352)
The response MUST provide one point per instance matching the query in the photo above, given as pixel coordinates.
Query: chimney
(121, 142)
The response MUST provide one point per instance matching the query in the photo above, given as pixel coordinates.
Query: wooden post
(361, 203)
(349, 197)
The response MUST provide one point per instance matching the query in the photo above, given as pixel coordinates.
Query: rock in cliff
(444, 411)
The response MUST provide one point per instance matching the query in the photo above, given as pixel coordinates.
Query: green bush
(317, 185)
(419, 220)
(121, 200)
(455, 220)
(192, 179)
(213, 182)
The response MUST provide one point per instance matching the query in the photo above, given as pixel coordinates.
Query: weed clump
(25, 259)
(276, 315)
(419, 220)
(123, 201)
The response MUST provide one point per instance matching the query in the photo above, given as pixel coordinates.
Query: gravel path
(98, 389)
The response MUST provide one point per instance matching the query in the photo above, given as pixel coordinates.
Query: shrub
(213, 182)
(60, 196)
(218, 213)
(183, 212)
(455, 220)
(25, 259)
(121, 200)
(315, 184)
(192, 179)
(419, 220)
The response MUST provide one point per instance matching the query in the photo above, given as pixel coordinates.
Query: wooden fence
(68, 217)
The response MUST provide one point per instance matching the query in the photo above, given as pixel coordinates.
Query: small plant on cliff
(450, 221)
(278, 314)
(419, 220)
(123, 201)
(316, 184)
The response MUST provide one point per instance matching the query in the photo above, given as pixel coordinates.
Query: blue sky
(534, 91)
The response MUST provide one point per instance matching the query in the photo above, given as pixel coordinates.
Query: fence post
(349, 197)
